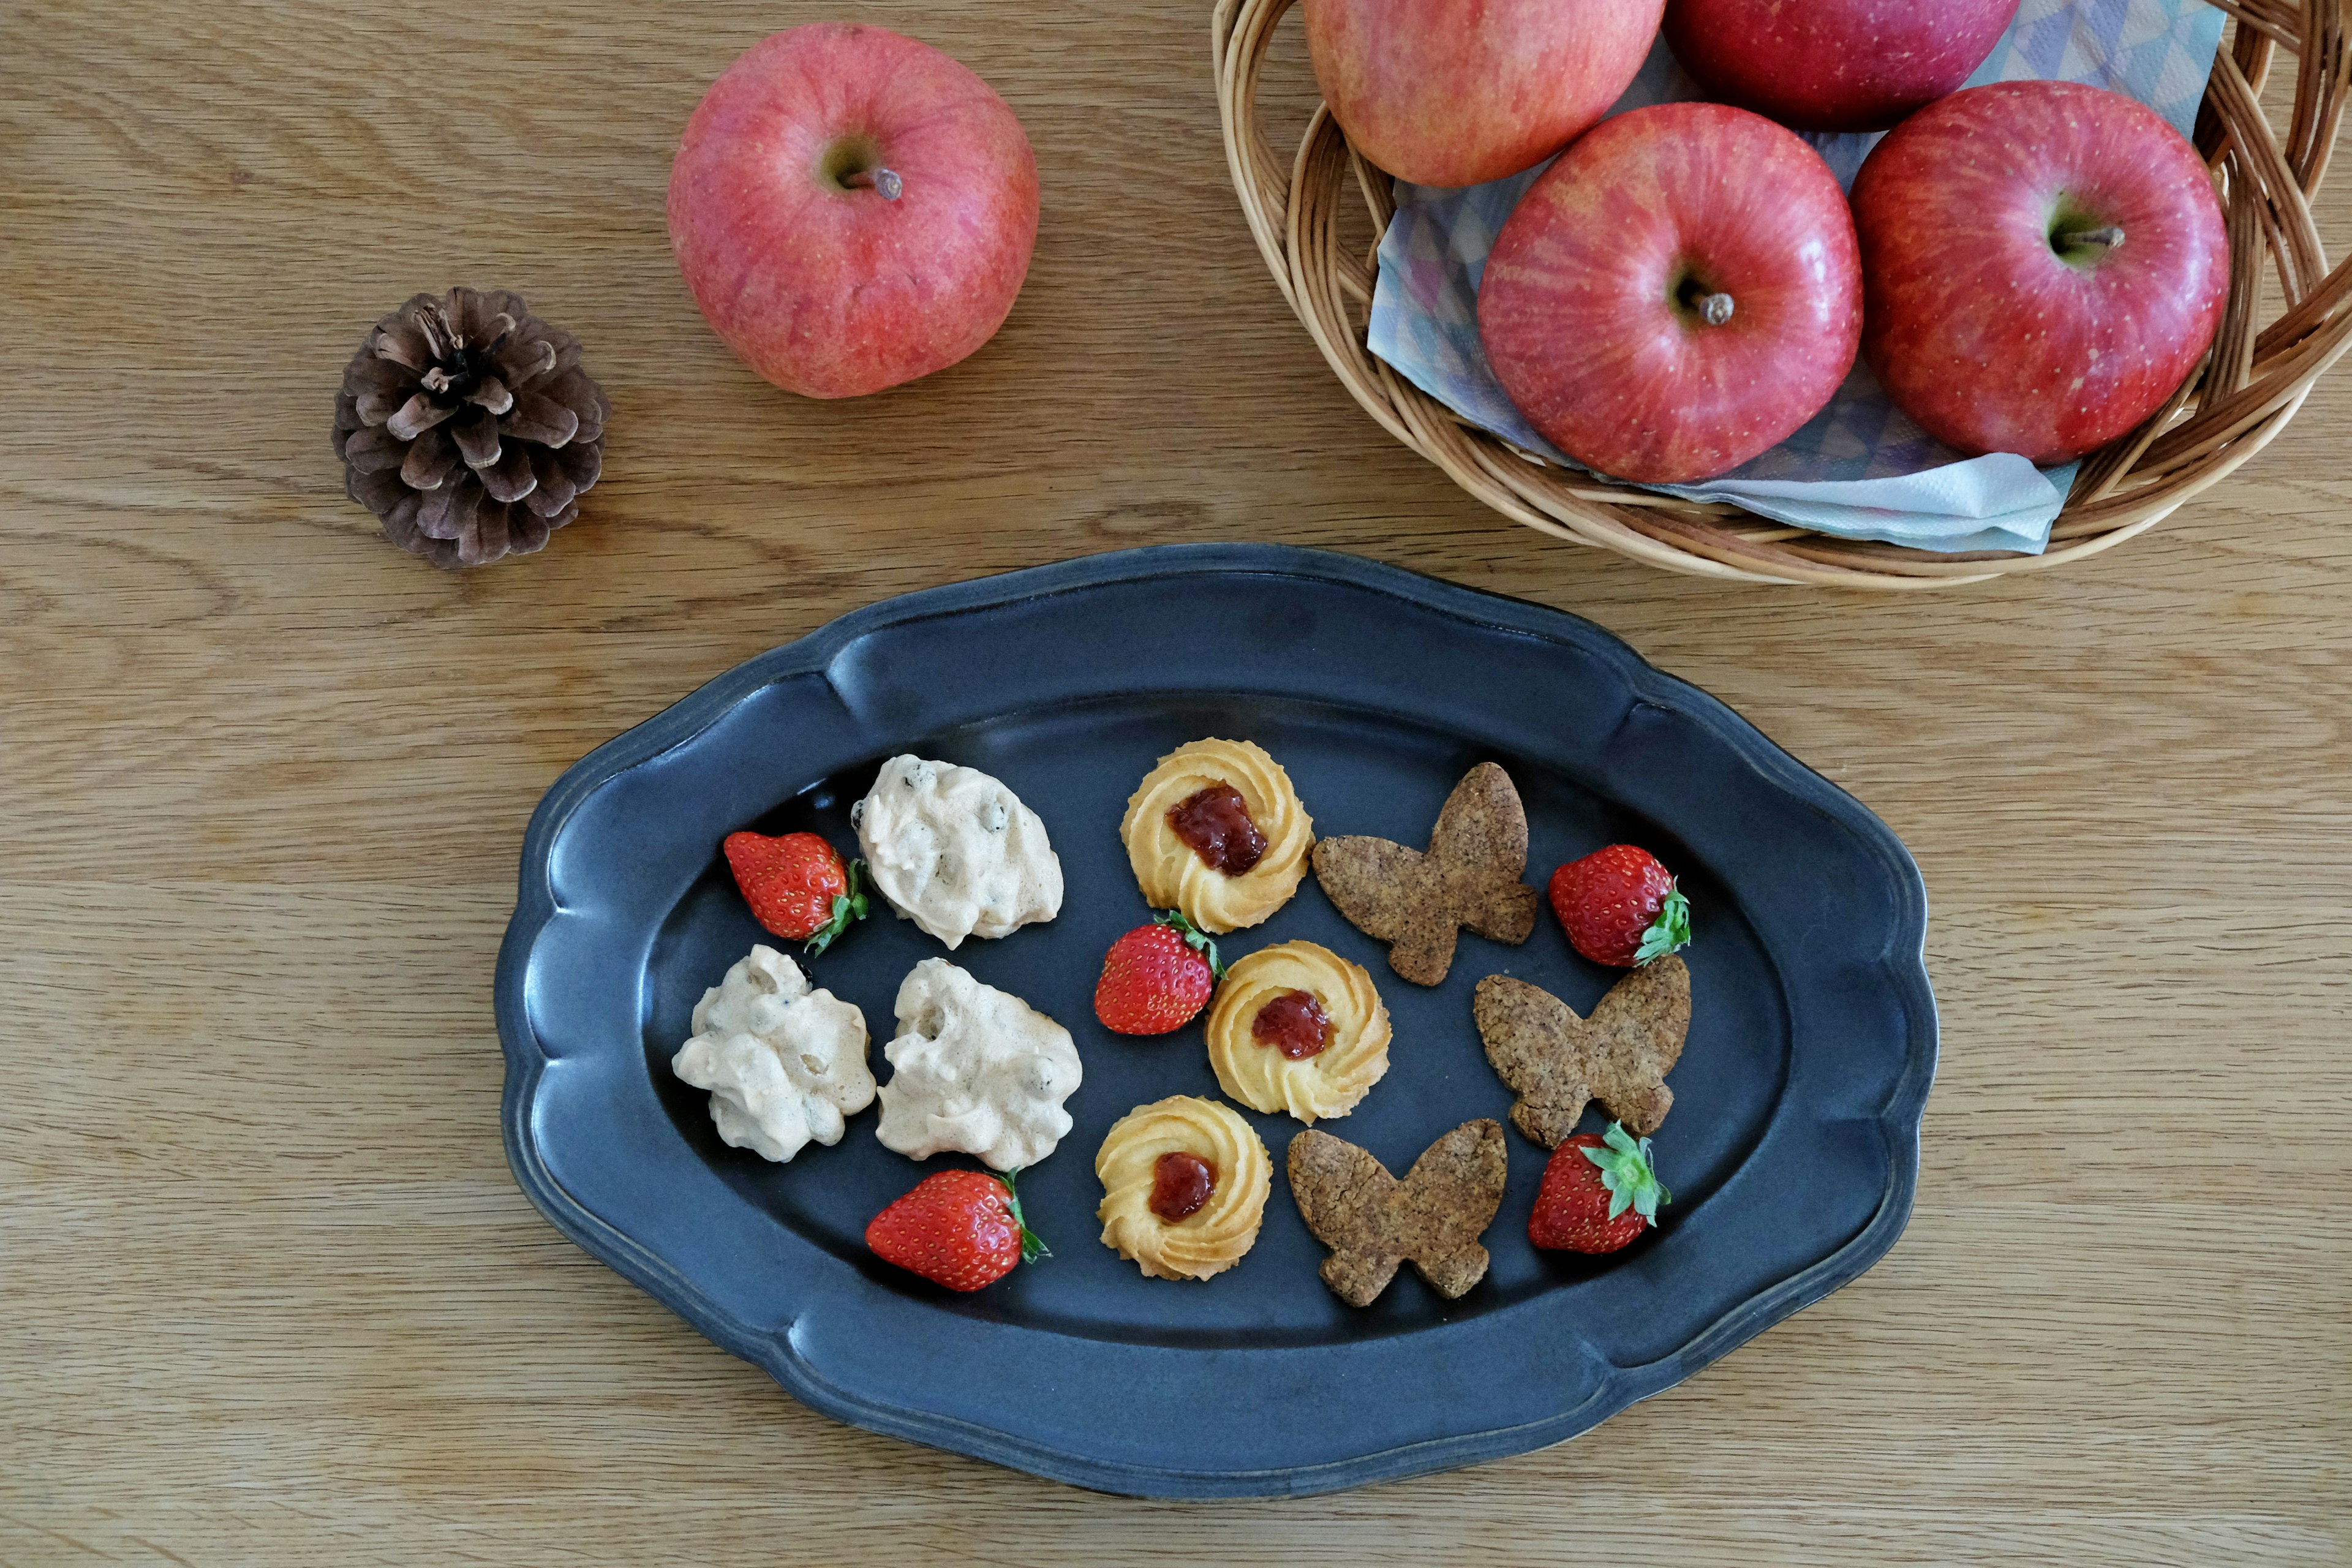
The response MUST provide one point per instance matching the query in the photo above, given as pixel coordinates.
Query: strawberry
(961, 1229)
(1156, 977)
(1598, 1193)
(1619, 907)
(797, 885)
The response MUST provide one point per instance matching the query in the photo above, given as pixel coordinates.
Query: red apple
(1677, 293)
(2044, 263)
(852, 209)
(1458, 93)
(1834, 64)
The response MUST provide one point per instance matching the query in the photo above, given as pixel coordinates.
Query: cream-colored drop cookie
(1145, 1217)
(955, 851)
(1274, 998)
(976, 1069)
(785, 1065)
(1175, 875)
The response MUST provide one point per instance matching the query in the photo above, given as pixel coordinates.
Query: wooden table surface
(269, 1294)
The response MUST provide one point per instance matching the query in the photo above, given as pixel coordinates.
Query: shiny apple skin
(1978, 328)
(1834, 64)
(1578, 309)
(834, 292)
(1458, 93)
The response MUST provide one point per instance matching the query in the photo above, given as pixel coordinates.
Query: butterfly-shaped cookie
(1417, 900)
(1556, 1062)
(1372, 1222)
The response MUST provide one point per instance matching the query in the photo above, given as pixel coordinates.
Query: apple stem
(2110, 237)
(1714, 310)
(885, 181)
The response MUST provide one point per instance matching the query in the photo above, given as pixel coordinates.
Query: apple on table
(852, 209)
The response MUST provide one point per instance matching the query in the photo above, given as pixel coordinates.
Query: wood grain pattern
(270, 1297)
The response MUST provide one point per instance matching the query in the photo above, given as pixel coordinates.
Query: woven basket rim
(2233, 404)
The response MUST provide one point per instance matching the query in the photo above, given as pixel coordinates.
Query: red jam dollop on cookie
(1181, 1185)
(1216, 823)
(1295, 1023)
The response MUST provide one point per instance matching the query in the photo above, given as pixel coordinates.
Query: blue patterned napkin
(1860, 469)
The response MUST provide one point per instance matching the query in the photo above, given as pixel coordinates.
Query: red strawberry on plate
(1156, 977)
(961, 1229)
(797, 885)
(1619, 907)
(1598, 1193)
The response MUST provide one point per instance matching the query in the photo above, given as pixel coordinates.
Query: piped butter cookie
(1185, 1182)
(1215, 830)
(1298, 1029)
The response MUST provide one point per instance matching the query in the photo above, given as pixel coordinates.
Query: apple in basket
(1679, 291)
(2043, 264)
(1458, 93)
(852, 209)
(1834, 64)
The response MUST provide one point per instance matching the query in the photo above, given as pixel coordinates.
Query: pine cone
(467, 426)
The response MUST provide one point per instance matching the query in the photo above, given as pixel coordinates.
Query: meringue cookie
(785, 1065)
(977, 1069)
(955, 851)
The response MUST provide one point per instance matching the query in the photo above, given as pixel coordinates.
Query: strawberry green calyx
(1625, 1170)
(1670, 932)
(847, 908)
(1195, 938)
(1032, 1245)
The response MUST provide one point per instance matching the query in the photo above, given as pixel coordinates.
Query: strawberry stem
(1626, 1173)
(847, 908)
(1032, 1245)
(1671, 932)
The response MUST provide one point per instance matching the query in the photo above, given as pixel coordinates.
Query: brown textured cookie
(1372, 1222)
(1556, 1062)
(1415, 900)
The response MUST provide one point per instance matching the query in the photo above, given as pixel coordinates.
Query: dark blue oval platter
(1792, 1152)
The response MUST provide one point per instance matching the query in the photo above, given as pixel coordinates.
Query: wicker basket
(2245, 394)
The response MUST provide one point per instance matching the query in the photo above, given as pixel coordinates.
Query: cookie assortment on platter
(1219, 841)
